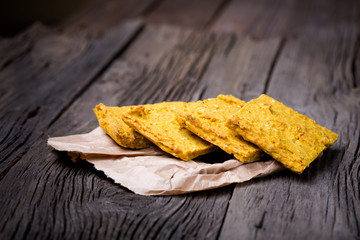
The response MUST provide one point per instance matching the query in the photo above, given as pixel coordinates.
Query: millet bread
(207, 119)
(110, 121)
(157, 122)
(289, 137)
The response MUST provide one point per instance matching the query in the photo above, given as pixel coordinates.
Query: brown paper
(153, 172)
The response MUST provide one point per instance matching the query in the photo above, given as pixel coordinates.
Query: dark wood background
(303, 53)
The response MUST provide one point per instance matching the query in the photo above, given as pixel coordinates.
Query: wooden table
(303, 53)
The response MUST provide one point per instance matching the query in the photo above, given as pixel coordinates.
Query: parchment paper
(153, 172)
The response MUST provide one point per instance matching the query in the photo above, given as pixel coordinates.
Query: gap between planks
(75, 116)
(103, 50)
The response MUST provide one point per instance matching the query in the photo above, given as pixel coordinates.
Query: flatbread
(110, 121)
(289, 137)
(207, 119)
(157, 122)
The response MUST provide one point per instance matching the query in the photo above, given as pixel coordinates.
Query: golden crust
(157, 122)
(110, 121)
(207, 119)
(291, 138)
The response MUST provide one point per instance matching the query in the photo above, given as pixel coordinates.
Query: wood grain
(323, 200)
(113, 86)
(34, 107)
(101, 15)
(48, 52)
(154, 43)
(289, 18)
(194, 13)
(12, 48)
(259, 18)
(236, 71)
(161, 213)
(82, 197)
(51, 79)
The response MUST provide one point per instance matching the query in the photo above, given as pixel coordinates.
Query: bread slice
(207, 119)
(110, 121)
(157, 122)
(289, 137)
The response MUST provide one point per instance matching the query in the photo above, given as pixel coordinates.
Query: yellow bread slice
(157, 122)
(289, 137)
(110, 121)
(207, 119)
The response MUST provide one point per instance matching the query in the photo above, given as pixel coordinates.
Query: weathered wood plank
(50, 197)
(47, 53)
(314, 77)
(195, 13)
(166, 220)
(237, 70)
(133, 222)
(97, 207)
(261, 18)
(42, 99)
(314, 18)
(153, 44)
(113, 87)
(11, 48)
(101, 15)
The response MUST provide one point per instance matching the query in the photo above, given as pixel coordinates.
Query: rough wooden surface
(101, 15)
(29, 110)
(324, 200)
(195, 13)
(264, 18)
(51, 79)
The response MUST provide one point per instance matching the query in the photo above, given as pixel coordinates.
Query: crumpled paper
(153, 172)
